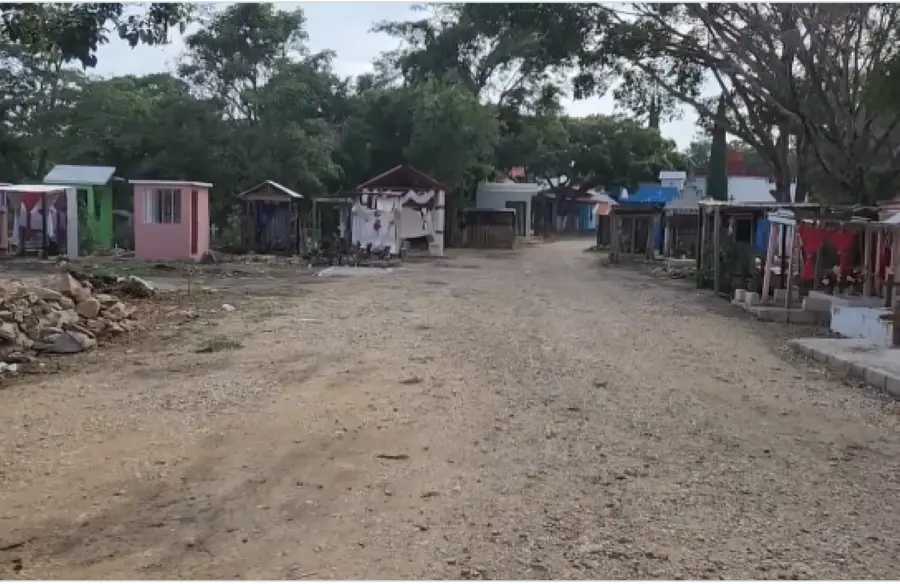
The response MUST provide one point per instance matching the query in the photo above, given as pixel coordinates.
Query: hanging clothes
(842, 241)
(811, 239)
(887, 246)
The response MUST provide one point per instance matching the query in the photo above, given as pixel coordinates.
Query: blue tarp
(652, 194)
(761, 236)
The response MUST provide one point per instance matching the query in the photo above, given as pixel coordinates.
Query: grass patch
(217, 344)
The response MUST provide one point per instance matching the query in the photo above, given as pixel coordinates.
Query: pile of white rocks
(61, 316)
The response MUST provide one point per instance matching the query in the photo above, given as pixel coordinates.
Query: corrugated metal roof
(687, 201)
(278, 187)
(31, 188)
(71, 174)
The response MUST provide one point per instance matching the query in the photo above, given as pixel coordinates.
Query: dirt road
(530, 416)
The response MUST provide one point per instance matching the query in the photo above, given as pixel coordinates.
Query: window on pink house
(163, 206)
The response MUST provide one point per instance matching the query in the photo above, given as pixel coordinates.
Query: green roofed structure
(95, 197)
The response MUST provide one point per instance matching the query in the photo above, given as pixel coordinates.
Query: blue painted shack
(653, 194)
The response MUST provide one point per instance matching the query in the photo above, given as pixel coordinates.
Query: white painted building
(510, 195)
(743, 189)
(672, 178)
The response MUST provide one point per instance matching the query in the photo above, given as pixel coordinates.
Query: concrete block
(781, 295)
(762, 313)
(751, 298)
(779, 315)
(892, 385)
(839, 365)
(739, 294)
(801, 317)
(857, 371)
(876, 378)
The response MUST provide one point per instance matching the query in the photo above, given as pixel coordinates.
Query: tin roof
(79, 175)
(31, 188)
(277, 186)
(171, 183)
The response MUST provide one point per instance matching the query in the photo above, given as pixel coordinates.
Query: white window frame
(163, 207)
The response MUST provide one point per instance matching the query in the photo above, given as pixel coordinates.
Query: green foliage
(75, 31)
(717, 181)
(466, 98)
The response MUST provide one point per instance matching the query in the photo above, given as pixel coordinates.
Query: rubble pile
(63, 316)
(676, 272)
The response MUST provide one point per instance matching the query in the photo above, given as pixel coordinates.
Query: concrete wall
(496, 195)
(861, 323)
(742, 189)
(170, 241)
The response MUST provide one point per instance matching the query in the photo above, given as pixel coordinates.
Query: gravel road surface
(508, 415)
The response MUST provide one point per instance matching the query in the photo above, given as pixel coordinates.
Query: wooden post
(632, 246)
(817, 268)
(649, 251)
(667, 237)
(613, 238)
(701, 238)
(788, 278)
(895, 306)
(867, 261)
(770, 259)
(879, 243)
(783, 260)
(44, 218)
(717, 227)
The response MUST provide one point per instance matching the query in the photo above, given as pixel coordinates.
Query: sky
(343, 27)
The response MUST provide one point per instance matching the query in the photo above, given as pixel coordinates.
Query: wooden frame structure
(632, 226)
(874, 234)
(282, 232)
(721, 217)
(489, 228)
(412, 198)
(681, 222)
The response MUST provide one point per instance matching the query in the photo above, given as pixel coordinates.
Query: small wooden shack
(412, 204)
(489, 228)
(632, 227)
(272, 220)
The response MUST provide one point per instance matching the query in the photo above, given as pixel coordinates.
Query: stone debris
(63, 316)
(122, 286)
(675, 272)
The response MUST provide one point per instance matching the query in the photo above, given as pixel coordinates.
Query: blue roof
(653, 194)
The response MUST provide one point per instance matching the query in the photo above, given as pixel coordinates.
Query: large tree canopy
(793, 77)
(466, 98)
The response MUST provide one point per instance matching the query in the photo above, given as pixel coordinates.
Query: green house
(95, 198)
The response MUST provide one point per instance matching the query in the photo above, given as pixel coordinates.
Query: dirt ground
(511, 415)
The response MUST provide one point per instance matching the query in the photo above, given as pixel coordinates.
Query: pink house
(171, 219)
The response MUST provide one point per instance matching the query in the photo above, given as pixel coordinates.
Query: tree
(675, 46)
(599, 152)
(274, 97)
(76, 30)
(466, 42)
(453, 136)
(717, 181)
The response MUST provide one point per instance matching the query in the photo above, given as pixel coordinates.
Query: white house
(741, 189)
(672, 178)
(510, 195)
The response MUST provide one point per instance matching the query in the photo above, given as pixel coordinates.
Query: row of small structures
(807, 263)
(171, 218)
